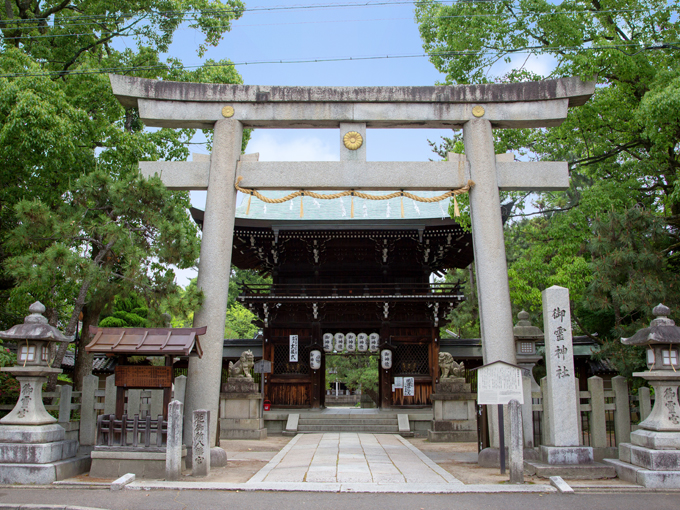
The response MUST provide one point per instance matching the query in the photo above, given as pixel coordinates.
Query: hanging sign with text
(409, 387)
(293, 357)
(499, 383)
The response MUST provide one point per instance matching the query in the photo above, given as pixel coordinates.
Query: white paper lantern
(328, 342)
(351, 342)
(362, 342)
(373, 342)
(315, 359)
(339, 342)
(386, 359)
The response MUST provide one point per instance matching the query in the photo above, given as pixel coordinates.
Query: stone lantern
(33, 447)
(652, 458)
(526, 337)
(33, 339)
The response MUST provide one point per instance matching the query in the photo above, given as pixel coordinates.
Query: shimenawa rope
(353, 193)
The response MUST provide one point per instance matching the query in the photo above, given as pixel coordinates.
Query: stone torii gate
(228, 109)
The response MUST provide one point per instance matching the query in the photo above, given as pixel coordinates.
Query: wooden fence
(143, 403)
(607, 417)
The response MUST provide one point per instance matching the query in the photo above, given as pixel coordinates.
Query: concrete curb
(562, 486)
(401, 488)
(45, 507)
(122, 481)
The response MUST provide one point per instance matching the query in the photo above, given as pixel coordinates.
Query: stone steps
(374, 429)
(346, 421)
(342, 416)
(370, 423)
(382, 423)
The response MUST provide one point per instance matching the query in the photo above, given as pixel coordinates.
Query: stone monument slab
(200, 462)
(563, 455)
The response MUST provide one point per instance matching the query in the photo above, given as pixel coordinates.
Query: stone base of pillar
(38, 454)
(144, 464)
(43, 474)
(651, 459)
(575, 462)
(218, 458)
(491, 457)
(561, 455)
(241, 416)
(454, 413)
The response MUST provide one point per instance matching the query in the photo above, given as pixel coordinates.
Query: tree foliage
(77, 225)
(612, 238)
(356, 371)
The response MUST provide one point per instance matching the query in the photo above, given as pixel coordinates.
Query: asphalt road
(200, 500)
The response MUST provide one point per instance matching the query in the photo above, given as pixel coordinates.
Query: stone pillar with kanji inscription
(561, 453)
(559, 361)
(562, 435)
(200, 465)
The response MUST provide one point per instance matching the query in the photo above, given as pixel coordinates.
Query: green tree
(356, 371)
(66, 142)
(128, 312)
(240, 322)
(622, 145)
(112, 237)
(9, 386)
(240, 277)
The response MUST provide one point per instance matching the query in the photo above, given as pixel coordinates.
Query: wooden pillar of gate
(385, 379)
(318, 382)
(267, 354)
(434, 359)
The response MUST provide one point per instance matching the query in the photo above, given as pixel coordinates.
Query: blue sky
(355, 31)
(319, 33)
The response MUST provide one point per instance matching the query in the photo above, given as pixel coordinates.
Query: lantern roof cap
(35, 327)
(524, 329)
(662, 330)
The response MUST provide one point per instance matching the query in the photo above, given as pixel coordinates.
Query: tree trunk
(83, 364)
(373, 394)
(77, 309)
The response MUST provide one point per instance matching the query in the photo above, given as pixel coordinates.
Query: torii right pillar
(493, 290)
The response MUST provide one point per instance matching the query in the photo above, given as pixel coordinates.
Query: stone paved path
(347, 457)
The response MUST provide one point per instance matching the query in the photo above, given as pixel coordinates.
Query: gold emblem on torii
(352, 140)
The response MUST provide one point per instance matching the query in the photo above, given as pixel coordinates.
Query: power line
(527, 50)
(232, 26)
(191, 14)
(252, 9)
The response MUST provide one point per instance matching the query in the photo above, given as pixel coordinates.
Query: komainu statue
(243, 366)
(450, 369)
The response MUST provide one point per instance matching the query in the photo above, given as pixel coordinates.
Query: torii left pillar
(214, 267)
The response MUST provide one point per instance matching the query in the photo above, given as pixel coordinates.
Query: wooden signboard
(144, 377)
(262, 367)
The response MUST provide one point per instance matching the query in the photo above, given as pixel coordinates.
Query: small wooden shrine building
(333, 273)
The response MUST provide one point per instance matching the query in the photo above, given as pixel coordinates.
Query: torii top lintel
(199, 105)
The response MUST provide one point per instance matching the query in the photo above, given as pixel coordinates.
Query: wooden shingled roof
(146, 341)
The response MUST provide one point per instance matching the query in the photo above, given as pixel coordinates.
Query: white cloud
(283, 145)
